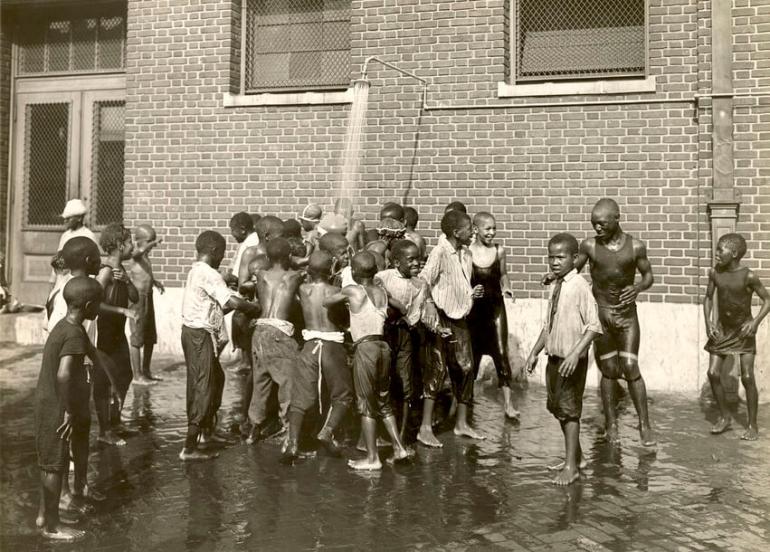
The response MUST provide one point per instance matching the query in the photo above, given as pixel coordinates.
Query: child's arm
(712, 330)
(112, 309)
(755, 285)
(336, 299)
(105, 276)
(63, 386)
(531, 361)
(133, 293)
(505, 281)
(140, 251)
(240, 304)
(572, 359)
(109, 369)
(157, 284)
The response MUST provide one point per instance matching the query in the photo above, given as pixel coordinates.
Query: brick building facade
(203, 140)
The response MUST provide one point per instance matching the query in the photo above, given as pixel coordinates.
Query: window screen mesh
(568, 39)
(297, 44)
(70, 42)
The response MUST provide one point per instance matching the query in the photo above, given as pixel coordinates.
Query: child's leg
(101, 395)
(715, 380)
(372, 460)
(122, 359)
(399, 450)
(199, 358)
(80, 449)
(338, 381)
(502, 361)
(460, 366)
(50, 486)
(147, 361)
(295, 418)
(571, 430)
(752, 395)
(433, 373)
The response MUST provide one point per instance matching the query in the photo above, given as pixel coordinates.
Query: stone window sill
(609, 86)
(288, 98)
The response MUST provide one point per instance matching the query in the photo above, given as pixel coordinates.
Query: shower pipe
(398, 69)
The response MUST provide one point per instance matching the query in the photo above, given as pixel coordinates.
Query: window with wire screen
(69, 41)
(297, 45)
(579, 39)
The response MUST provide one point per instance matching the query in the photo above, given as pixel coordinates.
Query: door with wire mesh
(66, 145)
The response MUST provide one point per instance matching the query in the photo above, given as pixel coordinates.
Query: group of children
(330, 314)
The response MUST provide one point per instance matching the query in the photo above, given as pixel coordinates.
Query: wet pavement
(695, 492)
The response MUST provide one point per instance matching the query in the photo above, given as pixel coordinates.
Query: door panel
(67, 144)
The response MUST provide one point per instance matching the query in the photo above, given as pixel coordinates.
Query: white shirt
(576, 313)
(69, 234)
(205, 295)
(251, 240)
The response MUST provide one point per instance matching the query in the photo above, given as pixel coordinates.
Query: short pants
(617, 349)
(275, 356)
(731, 342)
(321, 362)
(405, 343)
(143, 330)
(453, 354)
(371, 377)
(565, 395)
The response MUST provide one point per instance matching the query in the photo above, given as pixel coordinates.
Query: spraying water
(349, 176)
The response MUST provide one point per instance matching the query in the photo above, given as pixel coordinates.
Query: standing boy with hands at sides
(572, 324)
(735, 330)
(61, 400)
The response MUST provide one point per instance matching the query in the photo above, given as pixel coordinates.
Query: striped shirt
(576, 313)
(448, 273)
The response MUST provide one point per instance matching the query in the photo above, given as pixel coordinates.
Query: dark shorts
(143, 330)
(405, 343)
(371, 378)
(565, 395)
(205, 378)
(52, 452)
(453, 354)
(731, 342)
(119, 360)
(617, 349)
(321, 363)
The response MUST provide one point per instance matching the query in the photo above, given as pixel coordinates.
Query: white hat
(74, 208)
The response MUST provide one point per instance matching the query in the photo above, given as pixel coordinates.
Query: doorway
(68, 142)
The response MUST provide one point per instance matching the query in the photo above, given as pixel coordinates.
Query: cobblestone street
(696, 492)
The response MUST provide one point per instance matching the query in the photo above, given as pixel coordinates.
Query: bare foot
(63, 534)
(722, 425)
(566, 477)
(213, 439)
(468, 431)
(143, 381)
(76, 504)
(751, 434)
(197, 455)
(109, 438)
(400, 455)
(612, 435)
(65, 518)
(365, 464)
(153, 377)
(647, 437)
(511, 413)
(331, 446)
(427, 438)
(560, 466)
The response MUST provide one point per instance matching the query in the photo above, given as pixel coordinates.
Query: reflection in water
(451, 498)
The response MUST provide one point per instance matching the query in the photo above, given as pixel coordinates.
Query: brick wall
(191, 163)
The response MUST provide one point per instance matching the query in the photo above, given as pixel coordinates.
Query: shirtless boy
(322, 358)
(614, 258)
(274, 350)
(143, 334)
(735, 330)
(410, 221)
(371, 360)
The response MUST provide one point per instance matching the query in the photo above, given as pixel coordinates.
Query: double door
(68, 142)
